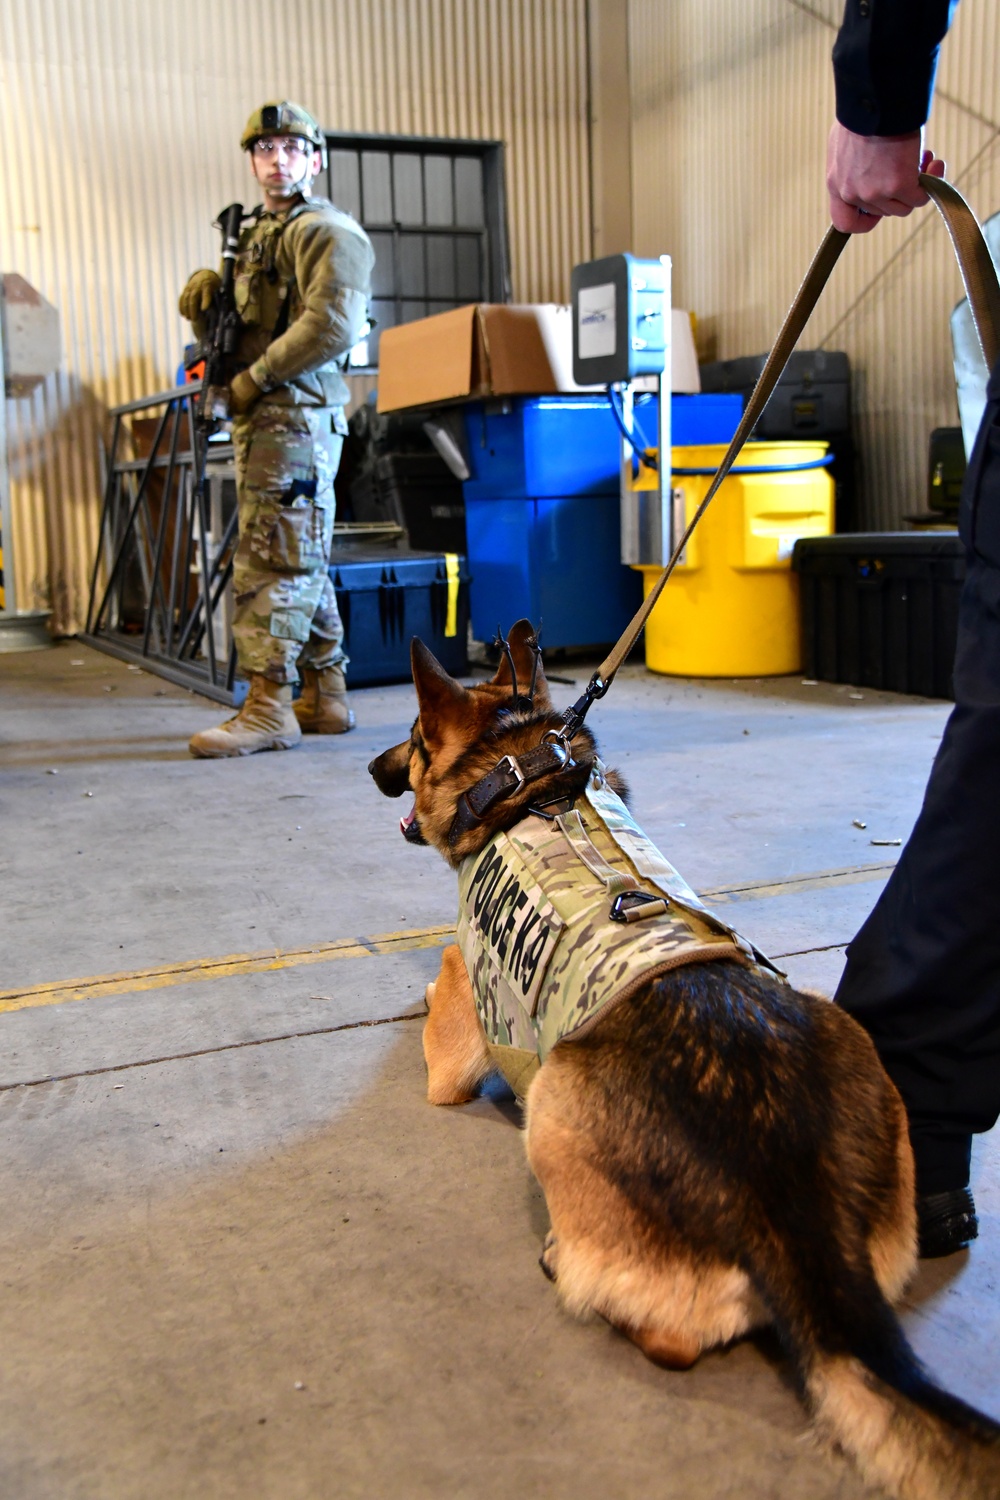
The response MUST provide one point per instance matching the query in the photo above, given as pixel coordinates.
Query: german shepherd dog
(719, 1152)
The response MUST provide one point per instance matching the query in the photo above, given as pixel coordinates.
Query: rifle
(211, 407)
(223, 332)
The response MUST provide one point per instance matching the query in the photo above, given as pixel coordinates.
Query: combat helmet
(282, 117)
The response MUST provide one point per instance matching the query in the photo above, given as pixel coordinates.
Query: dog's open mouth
(410, 828)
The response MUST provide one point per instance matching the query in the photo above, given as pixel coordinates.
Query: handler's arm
(884, 64)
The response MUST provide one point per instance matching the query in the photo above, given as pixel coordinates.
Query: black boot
(945, 1222)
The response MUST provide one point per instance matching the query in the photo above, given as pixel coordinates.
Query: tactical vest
(267, 299)
(561, 917)
(258, 290)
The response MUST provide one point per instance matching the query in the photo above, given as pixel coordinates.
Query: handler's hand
(870, 176)
(196, 298)
(243, 392)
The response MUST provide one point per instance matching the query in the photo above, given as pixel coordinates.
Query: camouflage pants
(286, 609)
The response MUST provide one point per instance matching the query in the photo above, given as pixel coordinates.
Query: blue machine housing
(620, 307)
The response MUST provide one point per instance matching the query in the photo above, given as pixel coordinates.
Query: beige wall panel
(730, 109)
(130, 115)
(610, 127)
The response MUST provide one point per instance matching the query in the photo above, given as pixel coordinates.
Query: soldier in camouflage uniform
(302, 282)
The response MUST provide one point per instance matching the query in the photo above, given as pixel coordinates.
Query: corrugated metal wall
(121, 121)
(731, 106)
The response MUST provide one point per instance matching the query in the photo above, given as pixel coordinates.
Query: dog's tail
(870, 1394)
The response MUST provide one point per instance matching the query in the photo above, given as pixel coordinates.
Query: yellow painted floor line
(197, 969)
(853, 875)
(194, 969)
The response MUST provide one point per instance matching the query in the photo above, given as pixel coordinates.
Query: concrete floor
(241, 1256)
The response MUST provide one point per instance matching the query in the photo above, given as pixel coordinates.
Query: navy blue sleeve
(884, 62)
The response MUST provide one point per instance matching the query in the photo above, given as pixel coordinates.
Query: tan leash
(983, 289)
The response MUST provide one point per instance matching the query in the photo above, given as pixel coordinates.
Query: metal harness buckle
(511, 763)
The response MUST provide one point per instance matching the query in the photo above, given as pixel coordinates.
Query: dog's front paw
(547, 1259)
(429, 993)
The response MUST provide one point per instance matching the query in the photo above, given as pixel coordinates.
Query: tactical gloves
(196, 298)
(243, 392)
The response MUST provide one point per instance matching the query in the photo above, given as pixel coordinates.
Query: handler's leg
(923, 974)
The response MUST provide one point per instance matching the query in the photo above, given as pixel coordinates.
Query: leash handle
(983, 290)
(975, 262)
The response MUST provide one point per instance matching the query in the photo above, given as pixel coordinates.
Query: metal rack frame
(185, 634)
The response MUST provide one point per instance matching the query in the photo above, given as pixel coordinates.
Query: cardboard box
(489, 349)
(497, 349)
(685, 377)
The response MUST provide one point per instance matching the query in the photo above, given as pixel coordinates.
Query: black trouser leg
(923, 974)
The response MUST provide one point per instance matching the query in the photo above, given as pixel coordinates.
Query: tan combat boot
(323, 707)
(265, 722)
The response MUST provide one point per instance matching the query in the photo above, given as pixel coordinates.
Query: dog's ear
(527, 657)
(442, 700)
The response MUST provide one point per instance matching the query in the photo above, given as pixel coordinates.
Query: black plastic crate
(386, 597)
(880, 609)
(417, 490)
(369, 505)
(424, 491)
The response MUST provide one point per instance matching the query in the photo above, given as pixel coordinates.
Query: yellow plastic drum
(731, 607)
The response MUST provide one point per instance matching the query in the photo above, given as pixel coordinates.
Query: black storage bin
(419, 492)
(369, 504)
(811, 400)
(424, 495)
(386, 597)
(880, 609)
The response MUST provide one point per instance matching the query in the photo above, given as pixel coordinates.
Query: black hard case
(880, 609)
(812, 397)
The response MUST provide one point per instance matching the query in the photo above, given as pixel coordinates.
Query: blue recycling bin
(553, 560)
(542, 510)
(569, 445)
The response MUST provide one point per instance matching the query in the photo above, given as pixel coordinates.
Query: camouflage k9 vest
(545, 954)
